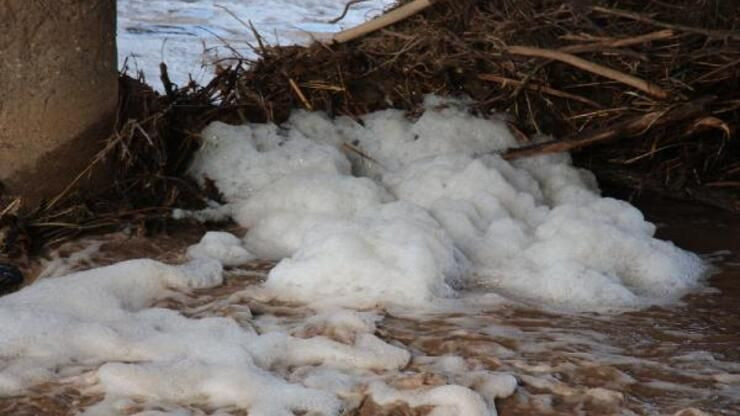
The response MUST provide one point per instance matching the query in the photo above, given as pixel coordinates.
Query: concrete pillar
(58, 91)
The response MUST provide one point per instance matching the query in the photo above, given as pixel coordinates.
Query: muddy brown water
(682, 359)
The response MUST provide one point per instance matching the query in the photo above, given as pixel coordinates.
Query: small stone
(10, 278)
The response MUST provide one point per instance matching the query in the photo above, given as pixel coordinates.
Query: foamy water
(657, 361)
(378, 268)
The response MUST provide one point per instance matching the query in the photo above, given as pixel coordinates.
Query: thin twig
(717, 71)
(638, 83)
(248, 25)
(619, 43)
(346, 9)
(631, 127)
(260, 43)
(536, 87)
(395, 15)
(682, 28)
(525, 82)
(12, 207)
(363, 155)
(113, 140)
(300, 94)
(224, 41)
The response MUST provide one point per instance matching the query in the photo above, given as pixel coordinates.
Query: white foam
(447, 400)
(280, 215)
(395, 254)
(102, 320)
(489, 385)
(221, 246)
(58, 265)
(535, 230)
(75, 318)
(244, 159)
(434, 218)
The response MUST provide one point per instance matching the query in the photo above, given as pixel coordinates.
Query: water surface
(191, 35)
(679, 359)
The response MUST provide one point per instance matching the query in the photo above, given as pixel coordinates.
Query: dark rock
(10, 278)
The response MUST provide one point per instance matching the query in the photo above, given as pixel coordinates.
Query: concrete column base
(58, 91)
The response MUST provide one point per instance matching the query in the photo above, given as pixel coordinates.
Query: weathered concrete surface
(58, 91)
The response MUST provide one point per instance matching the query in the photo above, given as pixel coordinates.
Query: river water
(682, 359)
(190, 35)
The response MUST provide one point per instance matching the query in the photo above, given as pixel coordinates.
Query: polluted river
(390, 267)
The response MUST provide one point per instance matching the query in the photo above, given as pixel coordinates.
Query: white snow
(435, 211)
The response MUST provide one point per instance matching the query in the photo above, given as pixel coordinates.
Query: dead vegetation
(646, 93)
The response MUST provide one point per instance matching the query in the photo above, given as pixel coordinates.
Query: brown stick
(682, 28)
(297, 90)
(632, 81)
(619, 43)
(165, 78)
(628, 128)
(395, 15)
(600, 46)
(537, 87)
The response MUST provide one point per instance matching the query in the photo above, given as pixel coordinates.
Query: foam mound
(392, 210)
